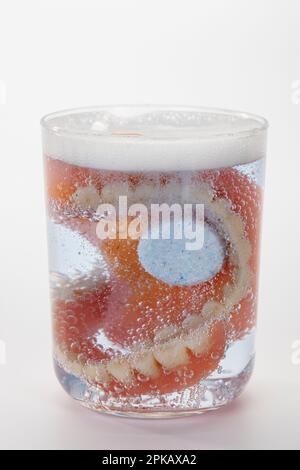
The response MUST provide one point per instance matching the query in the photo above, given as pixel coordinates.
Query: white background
(240, 54)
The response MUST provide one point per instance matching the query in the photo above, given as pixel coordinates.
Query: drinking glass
(154, 218)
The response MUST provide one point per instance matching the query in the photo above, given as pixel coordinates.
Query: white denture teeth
(87, 198)
(120, 370)
(172, 354)
(142, 195)
(111, 192)
(76, 368)
(73, 367)
(236, 224)
(148, 194)
(243, 248)
(166, 333)
(146, 364)
(212, 309)
(192, 321)
(96, 373)
(197, 343)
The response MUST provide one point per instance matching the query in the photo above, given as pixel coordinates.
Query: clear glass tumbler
(154, 225)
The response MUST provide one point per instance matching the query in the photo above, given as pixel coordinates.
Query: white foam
(154, 138)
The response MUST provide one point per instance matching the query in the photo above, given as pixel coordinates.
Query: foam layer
(154, 138)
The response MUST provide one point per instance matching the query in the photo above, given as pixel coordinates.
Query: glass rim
(48, 121)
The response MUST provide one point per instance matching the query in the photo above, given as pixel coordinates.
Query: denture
(172, 352)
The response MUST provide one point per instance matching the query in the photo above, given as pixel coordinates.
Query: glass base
(218, 390)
